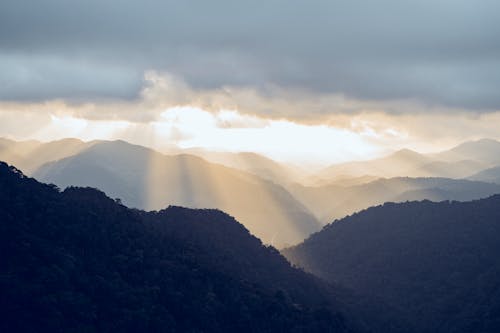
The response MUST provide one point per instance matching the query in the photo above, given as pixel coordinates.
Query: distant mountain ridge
(30, 155)
(331, 201)
(485, 150)
(146, 179)
(253, 163)
(491, 175)
(466, 172)
(192, 182)
(459, 162)
(396, 164)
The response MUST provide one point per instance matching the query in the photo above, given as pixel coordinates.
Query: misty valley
(106, 236)
(249, 166)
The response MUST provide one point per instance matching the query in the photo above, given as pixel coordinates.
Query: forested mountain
(78, 261)
(437, 262)
(146, 179)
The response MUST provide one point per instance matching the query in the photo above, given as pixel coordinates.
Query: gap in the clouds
(188, 128)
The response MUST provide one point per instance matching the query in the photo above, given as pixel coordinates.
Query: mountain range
(333, 201)
(280, 204)
(78, 261)
(461, 161)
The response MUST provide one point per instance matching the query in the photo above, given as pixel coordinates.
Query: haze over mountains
(30, 155)
(145, 179)
(333, 201)
(386, 264)
(458, 162)
(491, 175)
(283, 166)
(259, 165)
(278, 203)
(82, 261)
(461, 173)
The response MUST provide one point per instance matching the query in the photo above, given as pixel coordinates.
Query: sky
(324, 81)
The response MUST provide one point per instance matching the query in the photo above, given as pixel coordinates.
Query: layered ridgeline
(30, 155)
(438, 263)
(466, 172)
(330, 202)
(78, 261)
(260, 192)
(461, 161)
(146, 179)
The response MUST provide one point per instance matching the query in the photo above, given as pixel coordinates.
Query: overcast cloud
(443, 53)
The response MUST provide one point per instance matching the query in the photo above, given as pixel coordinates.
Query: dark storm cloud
(444, 52)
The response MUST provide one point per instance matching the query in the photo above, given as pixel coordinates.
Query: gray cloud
(444, 52)
(44, 77)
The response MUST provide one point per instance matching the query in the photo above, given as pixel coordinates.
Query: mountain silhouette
(78, 261)
(436, 262)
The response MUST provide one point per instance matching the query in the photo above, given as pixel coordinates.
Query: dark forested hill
(78, 261)
(438, 263)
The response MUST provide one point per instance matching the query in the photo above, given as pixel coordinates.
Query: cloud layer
(433, 54)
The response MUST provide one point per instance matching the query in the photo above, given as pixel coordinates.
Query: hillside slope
(77, 261)
(438, 263)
